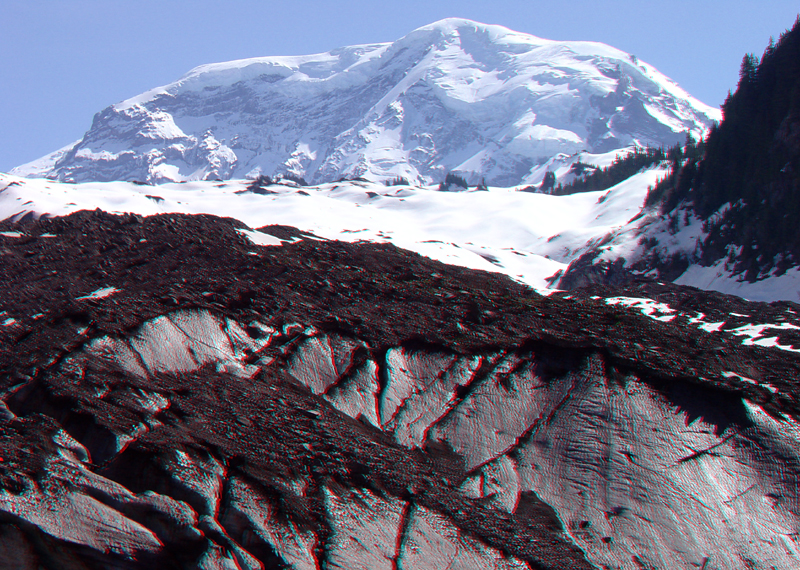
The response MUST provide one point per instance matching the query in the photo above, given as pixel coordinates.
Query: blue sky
(61, 61)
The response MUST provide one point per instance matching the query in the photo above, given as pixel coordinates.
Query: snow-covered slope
(452, 96)
(529, 237)
(669, 247)
(526, 236)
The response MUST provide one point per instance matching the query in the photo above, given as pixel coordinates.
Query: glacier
(639, 475)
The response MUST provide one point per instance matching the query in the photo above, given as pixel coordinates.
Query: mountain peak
(453, 96)
(451, 26)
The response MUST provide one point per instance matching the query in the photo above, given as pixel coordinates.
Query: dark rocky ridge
(266, 428)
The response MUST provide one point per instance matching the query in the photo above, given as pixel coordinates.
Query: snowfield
(526, 236)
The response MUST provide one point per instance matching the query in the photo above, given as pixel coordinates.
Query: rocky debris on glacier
(456, 95)
(175, 395)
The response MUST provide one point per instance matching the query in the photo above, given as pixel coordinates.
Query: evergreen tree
(748, 70)
(751, 162)
(451, 181)
(549, 182)
(590, 178)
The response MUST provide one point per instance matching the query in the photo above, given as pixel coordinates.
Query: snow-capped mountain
(480, 100)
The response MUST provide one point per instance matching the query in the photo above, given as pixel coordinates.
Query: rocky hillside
(480, 100)
(726, 215)
(176, 396)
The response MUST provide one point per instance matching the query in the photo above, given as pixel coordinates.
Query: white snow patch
(365, 529)
(498, 481)
(357, 396)
(712, 327)
(434, 543)
(99, 293)
(260, 238)
(658, 481)
(648, 307)
(755, 335)
(180, 342)
(77, 517)
(729, 374)
(488, 422)
(319, 362)
(435, 380)
(698, 319)
(294, 545)
(719, 278)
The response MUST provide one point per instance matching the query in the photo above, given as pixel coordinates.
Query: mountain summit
(456, 95)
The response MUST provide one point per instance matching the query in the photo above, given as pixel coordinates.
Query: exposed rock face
(456, 95)
(586, 271)
(176, 396)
